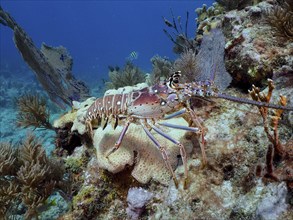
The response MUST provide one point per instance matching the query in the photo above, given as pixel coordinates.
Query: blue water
(97, 33)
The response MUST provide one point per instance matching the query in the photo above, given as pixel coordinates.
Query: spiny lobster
(163, 101)
(150, 105)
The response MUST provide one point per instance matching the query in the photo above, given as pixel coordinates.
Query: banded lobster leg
(163, 152)
(194, 118)
(119, 141)
(182, 151)
(199, 128)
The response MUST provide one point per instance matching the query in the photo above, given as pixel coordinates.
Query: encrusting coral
(33, 111)
(29, 177)
(129, 76)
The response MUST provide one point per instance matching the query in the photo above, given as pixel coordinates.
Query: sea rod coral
(33, 111)
(29, 177)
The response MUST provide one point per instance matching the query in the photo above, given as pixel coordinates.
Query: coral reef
(252, 55)
(98, 193)
(33, 111)
(52, 66)
(248, 149)
(29, 176)
(129, 76)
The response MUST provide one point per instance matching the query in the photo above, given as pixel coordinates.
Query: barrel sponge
(139, 151)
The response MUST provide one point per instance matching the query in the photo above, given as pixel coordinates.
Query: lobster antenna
(252, 102)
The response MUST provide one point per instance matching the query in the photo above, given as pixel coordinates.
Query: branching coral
(271, 129)
(276, 151)
(280, 17)
(32, 111)
(129, 76)
(33, 177)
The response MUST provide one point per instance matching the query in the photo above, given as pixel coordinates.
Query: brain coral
(147, 161)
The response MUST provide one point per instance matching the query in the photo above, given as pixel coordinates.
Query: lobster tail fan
(210, 64)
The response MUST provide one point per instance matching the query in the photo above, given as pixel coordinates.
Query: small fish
(132, 56)
(62, 57)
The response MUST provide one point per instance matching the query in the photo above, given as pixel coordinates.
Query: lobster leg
(181, 127)
(163, 152)
(198, 124)
(119, 141)
(175, 114)
(182, 151)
